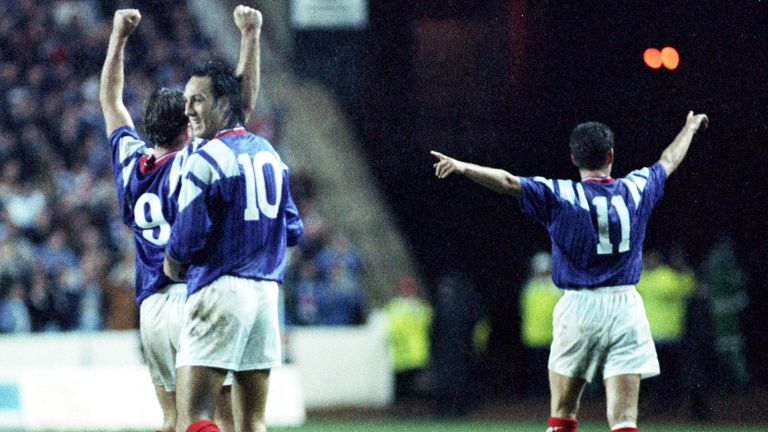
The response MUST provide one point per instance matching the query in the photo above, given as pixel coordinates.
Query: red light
(670, 58)
(652, 58)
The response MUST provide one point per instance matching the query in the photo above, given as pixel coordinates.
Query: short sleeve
(648, 183)
(537, 192)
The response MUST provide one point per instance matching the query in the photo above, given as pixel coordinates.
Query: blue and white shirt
(597, 226)
(146, 191)
(236, 214)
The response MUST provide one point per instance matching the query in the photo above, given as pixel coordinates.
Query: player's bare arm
(674, 154)
(248, 21)
(493, 178)
(113, 75)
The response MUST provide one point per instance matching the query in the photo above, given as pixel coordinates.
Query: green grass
(484, 426)
(473, 426)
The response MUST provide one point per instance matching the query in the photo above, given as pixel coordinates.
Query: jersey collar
(239, 130)
(148, 163)
(600, 179)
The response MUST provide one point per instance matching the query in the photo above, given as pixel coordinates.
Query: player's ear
(573, 161)
(609, 158)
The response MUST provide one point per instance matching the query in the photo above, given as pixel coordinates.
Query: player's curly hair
(164, 118)
(224, 84)
(590, 144)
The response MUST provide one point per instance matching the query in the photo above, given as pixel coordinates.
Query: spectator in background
(14, 315)
(725, 279)
(537, 303)
(303, 309)
(665, 292)
(409, 318)
(340, 253)
(457, 311)
(342, 301)
(699, 343)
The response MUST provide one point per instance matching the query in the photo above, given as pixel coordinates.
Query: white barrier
(82, 381)
(344, 366)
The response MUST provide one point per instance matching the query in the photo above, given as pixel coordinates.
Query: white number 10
(256, 199)
(604, 245)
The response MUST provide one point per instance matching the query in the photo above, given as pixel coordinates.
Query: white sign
(329, 14)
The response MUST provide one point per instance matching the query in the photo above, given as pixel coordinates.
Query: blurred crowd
(66, 259)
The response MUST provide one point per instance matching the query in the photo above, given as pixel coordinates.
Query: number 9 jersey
(146, 191)
(236, 214)
(597, 226)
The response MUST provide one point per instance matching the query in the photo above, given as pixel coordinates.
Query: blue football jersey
(147, 189)
(597, 226)
(236, 214)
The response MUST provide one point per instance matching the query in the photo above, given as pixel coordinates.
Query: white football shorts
(162, 316)
(602, 332)
(159, 326)
(232, 324)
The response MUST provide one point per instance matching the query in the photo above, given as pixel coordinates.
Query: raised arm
(248, 21)
(674, 154)
(112, 74)
(493, 178)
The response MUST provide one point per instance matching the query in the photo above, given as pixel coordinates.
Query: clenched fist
(125, 21)
(696, 122)
(247, 19)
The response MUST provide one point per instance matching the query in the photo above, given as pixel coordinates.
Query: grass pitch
(483, 426)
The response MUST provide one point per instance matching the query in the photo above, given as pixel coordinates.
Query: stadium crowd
(66, 259)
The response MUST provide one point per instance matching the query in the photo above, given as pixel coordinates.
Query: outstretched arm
(493, 178)
(248, 21)
(674, 154)
(112, 74)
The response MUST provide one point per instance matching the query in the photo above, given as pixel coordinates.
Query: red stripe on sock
(563, 424)
(203, 426)
(627, 429)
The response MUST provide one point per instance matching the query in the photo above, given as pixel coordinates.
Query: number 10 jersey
(236, 214)
(597, 226)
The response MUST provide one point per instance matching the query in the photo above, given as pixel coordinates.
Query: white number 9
(156, 228)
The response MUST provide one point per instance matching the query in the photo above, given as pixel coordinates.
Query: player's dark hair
(224, 84)
(164, 118)
(590, 144)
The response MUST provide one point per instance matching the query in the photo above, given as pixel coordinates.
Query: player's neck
(161, 151)
(604, 172)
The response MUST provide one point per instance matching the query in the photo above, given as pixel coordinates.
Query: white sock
(626, 424)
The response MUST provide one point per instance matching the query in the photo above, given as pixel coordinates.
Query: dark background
(503, 83)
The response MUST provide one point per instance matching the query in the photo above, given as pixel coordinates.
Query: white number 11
(604, 245)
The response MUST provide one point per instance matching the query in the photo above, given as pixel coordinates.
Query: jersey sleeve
(294, 225)
(126, 148)
(197, 196)
(647, 185)
(537, 193)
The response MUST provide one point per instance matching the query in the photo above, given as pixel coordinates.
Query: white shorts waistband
(601, 290)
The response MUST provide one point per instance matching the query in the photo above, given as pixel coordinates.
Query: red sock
(203, 426)
(556, 424)
(626, 429)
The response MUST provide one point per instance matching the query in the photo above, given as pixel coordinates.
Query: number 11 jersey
(597, 226)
